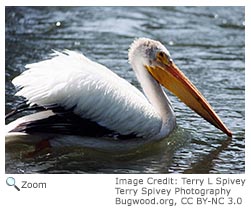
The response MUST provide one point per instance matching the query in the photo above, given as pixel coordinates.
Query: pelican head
(146, 55)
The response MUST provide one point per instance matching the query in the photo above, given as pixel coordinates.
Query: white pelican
(81, 99)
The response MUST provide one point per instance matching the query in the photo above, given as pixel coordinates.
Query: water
(207, 43)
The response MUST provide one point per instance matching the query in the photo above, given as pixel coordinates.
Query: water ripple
(207, 43)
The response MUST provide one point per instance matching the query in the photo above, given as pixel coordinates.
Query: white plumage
(69, 79)
(94, 93)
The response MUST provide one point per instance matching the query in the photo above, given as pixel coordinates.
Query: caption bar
(180, 191)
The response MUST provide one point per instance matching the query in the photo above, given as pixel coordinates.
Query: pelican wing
(91, 91)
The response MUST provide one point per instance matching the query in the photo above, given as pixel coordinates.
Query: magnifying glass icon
(10, 181)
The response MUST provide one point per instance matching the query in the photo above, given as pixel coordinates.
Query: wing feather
(94, 92)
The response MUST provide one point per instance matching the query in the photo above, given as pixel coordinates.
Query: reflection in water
(152, 158)
(205, 164)
(207, 43)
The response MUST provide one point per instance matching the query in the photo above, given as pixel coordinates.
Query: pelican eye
(161, 54)
(164, 58)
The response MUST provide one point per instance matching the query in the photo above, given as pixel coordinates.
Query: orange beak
(169, 75)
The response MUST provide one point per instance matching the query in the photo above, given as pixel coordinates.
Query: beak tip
(229, 133)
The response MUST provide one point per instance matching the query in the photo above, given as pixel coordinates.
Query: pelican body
(80, 99)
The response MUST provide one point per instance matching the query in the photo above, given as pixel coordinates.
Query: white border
(97, 191)
(125, 3)
(247, 90)
(2, 87)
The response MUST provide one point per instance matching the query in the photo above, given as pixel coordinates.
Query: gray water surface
(207, 43)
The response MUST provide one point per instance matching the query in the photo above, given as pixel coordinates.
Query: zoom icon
(10, 181)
